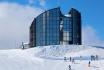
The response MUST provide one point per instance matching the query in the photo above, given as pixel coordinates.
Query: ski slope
(52, 58)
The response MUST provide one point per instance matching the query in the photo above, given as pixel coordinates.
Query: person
(70, 59)
(92, 57)
(89, 64)
(69, 67)
(73, 61)
(23, 47)
(96, 57)
(80, 57)
(64, 58)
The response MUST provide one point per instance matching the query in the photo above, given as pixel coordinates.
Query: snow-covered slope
(51, 58)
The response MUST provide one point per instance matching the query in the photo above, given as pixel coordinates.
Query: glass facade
(67, 30)
(76, 21)
(52, 28)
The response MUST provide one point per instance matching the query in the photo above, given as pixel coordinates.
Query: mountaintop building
(53, 28)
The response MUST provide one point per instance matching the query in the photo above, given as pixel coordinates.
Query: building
(53, 28)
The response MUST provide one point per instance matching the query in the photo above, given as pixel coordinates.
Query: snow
(51, 58)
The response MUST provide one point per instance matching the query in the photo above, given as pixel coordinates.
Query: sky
(16, 17)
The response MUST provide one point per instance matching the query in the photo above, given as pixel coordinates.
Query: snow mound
(51, 58)
(60, 51)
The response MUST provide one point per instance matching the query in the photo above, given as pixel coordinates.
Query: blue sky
(92, 12)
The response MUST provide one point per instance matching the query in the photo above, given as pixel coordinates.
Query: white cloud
(15, 20)
(90, 36)
(42, 2)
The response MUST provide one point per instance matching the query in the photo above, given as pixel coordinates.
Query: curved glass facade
(76, 25)
(53, 28)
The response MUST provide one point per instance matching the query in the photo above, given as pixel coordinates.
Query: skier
(69, 67)
(23, 47)
(89, 64)
(91, 57)
(64, 58)
(96, 57)
(80, 58)
(73, 61)
(70, 59)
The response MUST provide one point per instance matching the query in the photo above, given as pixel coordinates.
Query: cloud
(90, 36)
(15, 20)
(42, 2)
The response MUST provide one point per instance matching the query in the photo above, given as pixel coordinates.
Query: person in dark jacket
(89, 64)
(73, 61)
(65, 59)
(70, 59)
(69, 67)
